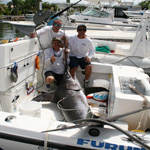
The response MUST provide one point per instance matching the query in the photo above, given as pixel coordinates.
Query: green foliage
(67, 1)
(3, 10)
(29, 6)
(18, 7)
(47, 6)
(145, 5)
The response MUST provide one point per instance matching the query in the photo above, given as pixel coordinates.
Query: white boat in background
(135, 54)
(92, 14)
(27, 124)
(134, 14)
(29, 17)
(95, 19)
(25, 27)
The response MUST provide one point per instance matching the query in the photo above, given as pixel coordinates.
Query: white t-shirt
(46, 34)
(81, 47)
(58, 66)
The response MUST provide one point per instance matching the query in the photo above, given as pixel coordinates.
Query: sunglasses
(81, 29)
(57, 25)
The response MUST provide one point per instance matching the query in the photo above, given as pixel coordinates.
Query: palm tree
(67, 1)
(29, 5)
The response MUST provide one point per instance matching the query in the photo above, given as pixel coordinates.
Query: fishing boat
(134, 13)
(93, 14)
(118, 99)
(131, 54)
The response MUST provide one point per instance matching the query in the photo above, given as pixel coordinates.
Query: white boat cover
(99, 1)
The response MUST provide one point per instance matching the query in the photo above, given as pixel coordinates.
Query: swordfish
(69, 98)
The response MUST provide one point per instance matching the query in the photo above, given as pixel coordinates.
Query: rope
(58, 105)
(139, 124)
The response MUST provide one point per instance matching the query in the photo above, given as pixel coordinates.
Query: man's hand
(66, 50)
(32, 34)
(87, 59)
(52, 59)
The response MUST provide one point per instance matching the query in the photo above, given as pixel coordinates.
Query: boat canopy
(99, 1)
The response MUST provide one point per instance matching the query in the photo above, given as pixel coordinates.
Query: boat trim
(38, 142)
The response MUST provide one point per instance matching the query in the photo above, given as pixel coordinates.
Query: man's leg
(73, 66)
(73, 71)
(50, 79)
(88, 70)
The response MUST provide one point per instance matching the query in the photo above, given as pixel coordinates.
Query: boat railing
(13, 18)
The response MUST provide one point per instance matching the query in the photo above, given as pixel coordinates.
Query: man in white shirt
(47, 33)
(54, 63)
(81, 52)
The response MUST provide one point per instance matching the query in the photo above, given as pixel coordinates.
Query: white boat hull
(29, 136)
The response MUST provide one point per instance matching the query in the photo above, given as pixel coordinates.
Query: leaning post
(38, 5)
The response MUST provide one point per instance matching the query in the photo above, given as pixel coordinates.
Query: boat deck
(106, 35)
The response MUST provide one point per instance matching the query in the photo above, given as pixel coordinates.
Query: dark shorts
(75, 62)
(58, 77)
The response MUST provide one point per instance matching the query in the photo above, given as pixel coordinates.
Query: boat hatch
(137, 83)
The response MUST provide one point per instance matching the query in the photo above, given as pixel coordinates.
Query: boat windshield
(96, 13)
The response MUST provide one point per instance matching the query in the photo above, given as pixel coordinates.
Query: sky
(73, 1)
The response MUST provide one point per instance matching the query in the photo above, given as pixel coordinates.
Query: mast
(38, 5)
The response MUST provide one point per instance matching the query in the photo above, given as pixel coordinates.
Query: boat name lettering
(108, 146)
(42, 148)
